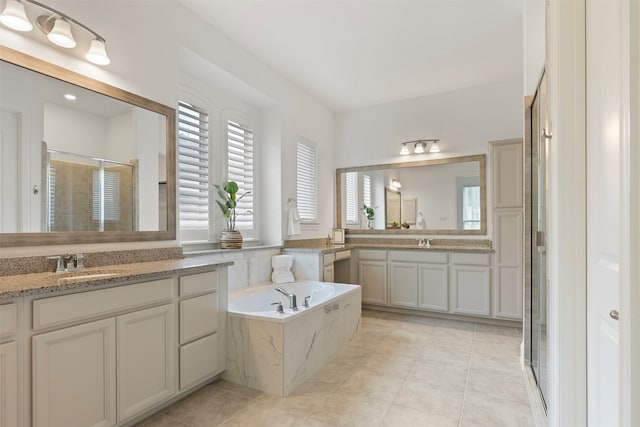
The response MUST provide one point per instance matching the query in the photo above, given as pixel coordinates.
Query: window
(110, 209)
(366, 190)
(351, 195)
(193, 169)
(306, 181)
(471, 207)
(240, 169)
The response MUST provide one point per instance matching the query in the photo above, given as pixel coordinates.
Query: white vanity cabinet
(109, 356)
(418, 279)
(8, 365)
(117, 367)
(453, 282)
(321, 265)
(471, 283)
(372, 274)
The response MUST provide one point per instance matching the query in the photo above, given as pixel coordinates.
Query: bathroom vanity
(109, 345)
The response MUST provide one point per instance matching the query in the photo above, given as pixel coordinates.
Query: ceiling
(352, 54)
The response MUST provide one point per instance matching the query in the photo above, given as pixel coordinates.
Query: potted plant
(370, 213)
(230, 237)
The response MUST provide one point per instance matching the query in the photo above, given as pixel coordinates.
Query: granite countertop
(322, 249)
(43, 283)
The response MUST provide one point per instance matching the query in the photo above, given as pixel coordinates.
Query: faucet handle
(59, 266)
(79, 261)
(306, 301)
(279, 308)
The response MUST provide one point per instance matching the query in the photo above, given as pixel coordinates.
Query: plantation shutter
(351, 193)
(306, 187)
(240, 170)
(193, 169)
(366, 190)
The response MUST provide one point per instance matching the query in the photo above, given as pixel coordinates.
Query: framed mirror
(439, 196)
(82, 161)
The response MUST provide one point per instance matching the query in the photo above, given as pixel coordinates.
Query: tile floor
(400, 371)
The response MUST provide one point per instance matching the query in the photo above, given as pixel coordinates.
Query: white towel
(294, 221)
(282, 269)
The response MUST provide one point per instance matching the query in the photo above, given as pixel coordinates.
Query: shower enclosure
(88, 194)
(536, 268)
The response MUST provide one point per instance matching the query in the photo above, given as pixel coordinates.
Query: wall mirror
(440, 196)
(82, 161)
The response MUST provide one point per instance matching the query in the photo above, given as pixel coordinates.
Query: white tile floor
(401, 371)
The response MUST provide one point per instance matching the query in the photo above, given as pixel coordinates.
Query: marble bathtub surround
(276, 355)
(40, 264)
(400, 371)
(43, 283)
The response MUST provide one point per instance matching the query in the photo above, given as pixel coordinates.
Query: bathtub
(275, 352)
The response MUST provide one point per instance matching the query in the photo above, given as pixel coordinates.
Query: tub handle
(279, 308)
(306, 301)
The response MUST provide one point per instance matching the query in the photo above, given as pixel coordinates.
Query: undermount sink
(84, 275)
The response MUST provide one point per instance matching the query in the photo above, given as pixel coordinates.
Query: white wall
(145, 45)
(534, 42)
(464, 121)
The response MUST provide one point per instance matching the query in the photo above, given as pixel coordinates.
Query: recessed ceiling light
(70, 97)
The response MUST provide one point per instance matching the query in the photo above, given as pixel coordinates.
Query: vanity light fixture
(56, 25)
(420, 146)
(395, 184)
(70, 97)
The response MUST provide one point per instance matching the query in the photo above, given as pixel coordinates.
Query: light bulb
(435, 148)
(61, 34)
(14, 16)
(404, 150)
(419, 148)
(97, 53)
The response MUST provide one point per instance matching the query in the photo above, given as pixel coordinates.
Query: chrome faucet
(293, 306)
(424, 243)
(68, 262)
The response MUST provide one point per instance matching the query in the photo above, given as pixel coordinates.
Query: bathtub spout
(293, 306)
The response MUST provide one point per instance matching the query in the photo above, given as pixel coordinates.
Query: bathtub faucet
(293, 306)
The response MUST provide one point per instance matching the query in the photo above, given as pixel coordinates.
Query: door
(373, 279)
(607, 204)
(74, 376)
(8, 384)
(146, 359)
(403, 281)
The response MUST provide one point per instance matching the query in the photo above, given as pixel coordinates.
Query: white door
(607, 204)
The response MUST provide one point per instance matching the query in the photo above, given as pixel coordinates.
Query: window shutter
(351, 193)
(306, 182)
(366, 190)
(240, 170)
(193, 169)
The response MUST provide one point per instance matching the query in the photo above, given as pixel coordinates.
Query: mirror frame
(76, 237)
(481, 158)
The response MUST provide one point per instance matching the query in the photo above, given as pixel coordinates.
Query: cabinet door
(146, 359)
(471, 286)
(199, 360)
(8, 385)
(508, 280)
(373, 280)
(74, 376)
(328, 273)
(403, 280)
(434, 286)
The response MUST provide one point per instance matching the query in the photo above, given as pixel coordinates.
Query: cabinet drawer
(471, 259)
(329, 258)
(419, 256)
(56, 311)
(372, 255)
(198, 360)
(198, 317)
(343, 255)
(8, 320)
(198, 283)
